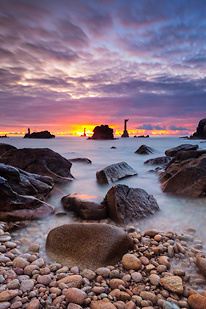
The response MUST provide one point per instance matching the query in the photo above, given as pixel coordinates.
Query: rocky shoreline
(160, 272)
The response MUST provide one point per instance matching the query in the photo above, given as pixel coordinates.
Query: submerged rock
(86, 206)
(143, 149)
(87, 245)
(42, 161)
(114, 172)
(184, 147)
(158, 161)
(125, 204)
(201, 264)
(80, 160)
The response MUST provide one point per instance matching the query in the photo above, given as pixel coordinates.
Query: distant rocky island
(102, 132)
(42, 134)
(200, 131)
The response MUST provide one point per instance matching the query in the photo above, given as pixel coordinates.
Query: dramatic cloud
(100, 61)
(174, 128)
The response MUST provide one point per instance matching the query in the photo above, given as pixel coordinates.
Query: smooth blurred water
(176, 213)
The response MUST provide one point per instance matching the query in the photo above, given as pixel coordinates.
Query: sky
(66, 65)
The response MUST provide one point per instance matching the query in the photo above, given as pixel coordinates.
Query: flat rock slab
(184, 147)
(143, 149)
(42, 161)
(125, 204)
(86, 206)
(114, 172)
(87, 245)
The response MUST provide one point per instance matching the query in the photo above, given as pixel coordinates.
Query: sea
(176, 213)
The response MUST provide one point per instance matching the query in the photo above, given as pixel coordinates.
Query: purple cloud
(145, 127)
(174, 128)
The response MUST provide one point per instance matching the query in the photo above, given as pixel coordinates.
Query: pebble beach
(160, 272)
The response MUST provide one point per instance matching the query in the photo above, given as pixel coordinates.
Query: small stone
(168, 305)
(136, 276)
(164, 260)
(27, 285)
(74, 295)
(130, 305)
(161, 268)
(149, 296)
(28, 270)
(73, 281)
(179, 272)
(10, 244)
(4, 238)
(2, 279)
(34, 248)
(8, 295)
(45, 279)
(33, 304)
(101, 304)
(201, 264)
(197, 301)
(172, 284)
(103, 271)
(123, 296)
(154, 279)
(5, 305)
(89, 274)
(20, 262)
(16, 305)
(73, 306)
(4, 259)
(114, 283)
(13, 284)
(130, 261)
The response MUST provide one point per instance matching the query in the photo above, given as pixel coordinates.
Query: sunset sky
(70, 64)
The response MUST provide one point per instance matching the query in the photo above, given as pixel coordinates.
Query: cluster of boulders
(144, 276)
(121, 204)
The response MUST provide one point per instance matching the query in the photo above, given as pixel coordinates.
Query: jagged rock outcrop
(184, 147)
(200, 131)
(125, 204)
(42, 161)
(14, 206)
(102, 132)
(25, 183)
(185, 175)
(143, 149)
(87, 245)
(86, 206)
(5, 147)
(42, 134)
(114, 172)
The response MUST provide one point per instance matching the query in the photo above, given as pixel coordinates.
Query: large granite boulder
(114, 172)
(25, 183)
(42, 161)
(125, 204)
(144, 149)
(158, 161)
(42, 134)
(87, 245)
(185, 178)
(15, 207)
(102, 132)
(184, 147)
(5, 147)
(200, 131)
(86, 206)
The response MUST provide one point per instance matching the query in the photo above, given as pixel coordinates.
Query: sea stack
(125, 133)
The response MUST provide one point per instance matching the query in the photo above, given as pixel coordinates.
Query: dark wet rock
(5, 147)
(87, 245)
(114, 172)
(102, 132)
(158, 161)
(143, 149)
(42, 134)
(20, 207)
(80, 160)
(184, 147)
(25, 183)
(42, 161)
(86, 206)
(125, 204)
(200, 131)
(185, 178)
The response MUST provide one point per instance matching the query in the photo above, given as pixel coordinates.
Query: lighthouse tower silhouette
(125, 133)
